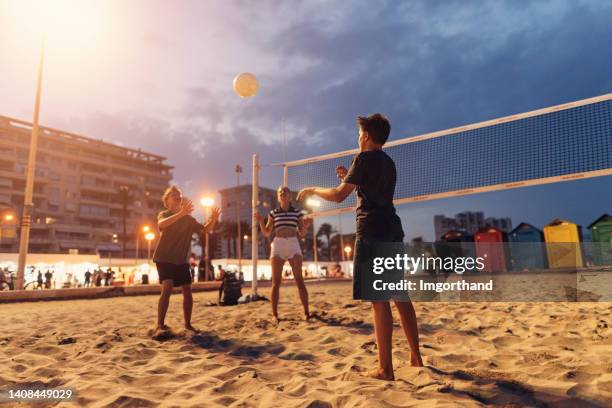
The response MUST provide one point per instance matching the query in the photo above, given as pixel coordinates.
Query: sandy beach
(476, 354)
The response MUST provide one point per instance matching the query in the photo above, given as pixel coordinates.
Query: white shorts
(286, 248)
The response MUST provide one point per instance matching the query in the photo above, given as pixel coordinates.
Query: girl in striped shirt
(287, 223)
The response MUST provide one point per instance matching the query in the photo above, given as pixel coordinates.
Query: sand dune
(513, 354)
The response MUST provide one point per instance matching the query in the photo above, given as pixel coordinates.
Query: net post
(254, 227)
(285, 176)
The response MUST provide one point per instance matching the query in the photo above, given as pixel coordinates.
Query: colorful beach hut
(563, 240)
(490, 245)
(527, 249)
(601, 236)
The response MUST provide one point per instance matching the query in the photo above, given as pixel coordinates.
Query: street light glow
(9, 217)
(64, 23)
(149, 236)
(313, 203)
(146, 228)
(207, 201)
(348, 249)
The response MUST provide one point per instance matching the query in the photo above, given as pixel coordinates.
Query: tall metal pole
(137, 243)
(285, 176)
(314, 246)
(341, 237)
(26, 214)
(206, 251)
(239, 237)
(254, 226)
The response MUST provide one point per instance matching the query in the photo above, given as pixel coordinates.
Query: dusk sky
(157, 75)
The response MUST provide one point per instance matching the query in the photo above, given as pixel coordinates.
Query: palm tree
(326, 230)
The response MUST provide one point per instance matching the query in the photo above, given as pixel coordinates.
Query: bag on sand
(232, 289)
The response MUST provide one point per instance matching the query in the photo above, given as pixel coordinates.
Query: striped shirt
(286, 219)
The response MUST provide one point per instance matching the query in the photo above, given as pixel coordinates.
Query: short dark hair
(377, 126)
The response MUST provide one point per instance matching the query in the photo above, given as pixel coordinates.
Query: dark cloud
(428, 65)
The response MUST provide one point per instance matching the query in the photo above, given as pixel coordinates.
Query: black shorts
(179, 274)
(365, 251)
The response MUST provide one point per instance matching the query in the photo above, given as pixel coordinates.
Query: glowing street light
(149, 236)
(144, 230)
(9, 217)
(348, 249)
(313, 203)
(207, 203)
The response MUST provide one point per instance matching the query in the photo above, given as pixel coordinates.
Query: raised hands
(186, 206)
(215, 213)
(305, 193)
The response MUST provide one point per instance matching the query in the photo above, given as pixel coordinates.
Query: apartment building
(236, 205)
(78, 200)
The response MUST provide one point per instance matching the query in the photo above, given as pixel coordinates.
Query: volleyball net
(560, 143)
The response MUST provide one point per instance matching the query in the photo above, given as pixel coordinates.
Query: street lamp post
(341, 237)
(239, 236)
(313, 203)
(7, 218)
(145, 229)
(149, 236)
(207, 203)
(348, 250)
(26, 214)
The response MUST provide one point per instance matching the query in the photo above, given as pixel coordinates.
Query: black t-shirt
(174, 244)
(374, 174)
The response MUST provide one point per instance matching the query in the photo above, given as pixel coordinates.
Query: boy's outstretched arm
(335, 194)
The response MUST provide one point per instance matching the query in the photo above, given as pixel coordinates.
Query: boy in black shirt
(176, 226)
(373, 174)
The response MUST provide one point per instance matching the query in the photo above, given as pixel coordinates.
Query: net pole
(285, 176)
(254, 227)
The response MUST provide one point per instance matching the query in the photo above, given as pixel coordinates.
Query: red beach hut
(491, 245)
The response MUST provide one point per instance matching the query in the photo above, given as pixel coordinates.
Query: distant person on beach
(286, 222)
(39, 281)
(48, 276)
(373, 175)
(176, 226)
(87, 282)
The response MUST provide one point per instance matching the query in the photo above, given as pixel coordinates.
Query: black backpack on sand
(232, 289)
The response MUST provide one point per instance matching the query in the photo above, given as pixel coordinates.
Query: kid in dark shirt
(176, 226)
(373, 175)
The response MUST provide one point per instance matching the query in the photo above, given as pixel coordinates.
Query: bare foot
(276, 320)
(162, 327)
(191, 328)
(307, 316)
(416, 360)
(379, 374)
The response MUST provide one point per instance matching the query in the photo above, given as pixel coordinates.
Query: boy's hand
(186, 206)
(341, 172)
(258, 217)
(215, 213)
(305, 193)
